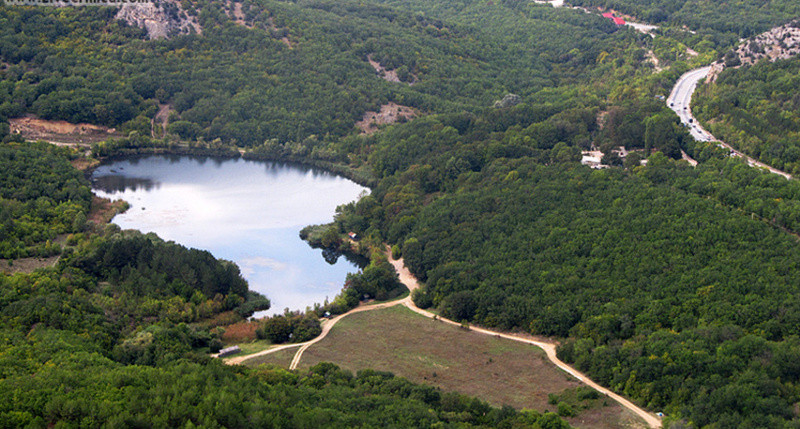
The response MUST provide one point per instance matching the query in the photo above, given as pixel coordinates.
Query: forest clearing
(407, 332)
(33, 128)
(425, 351)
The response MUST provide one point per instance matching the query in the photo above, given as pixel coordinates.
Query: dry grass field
(280, 358)
(496, 370)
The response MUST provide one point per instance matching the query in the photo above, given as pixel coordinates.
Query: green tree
(664, 133)
(276, 329)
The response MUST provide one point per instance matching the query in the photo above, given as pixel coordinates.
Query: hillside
(245, 86)
(750, 99)
(117, 333)
(669, 284)
(779, 43)
(637, 275)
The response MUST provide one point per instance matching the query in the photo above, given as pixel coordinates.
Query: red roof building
(608, 15)
(618, 21)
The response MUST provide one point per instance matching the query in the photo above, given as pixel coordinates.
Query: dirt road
(327, 325)
(549, 347)
(411, 283)
(160, 120)
(239, 359)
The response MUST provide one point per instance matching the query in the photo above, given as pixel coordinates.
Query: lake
(249, 212)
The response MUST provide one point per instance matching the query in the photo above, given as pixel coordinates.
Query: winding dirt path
(549, 347)
(329, 325)
(239, 359)
(160, 120)
(411, 283)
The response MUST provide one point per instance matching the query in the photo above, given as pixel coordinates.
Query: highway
(680, 100)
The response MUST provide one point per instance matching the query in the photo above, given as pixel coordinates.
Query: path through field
(411, 283)
(549, 347)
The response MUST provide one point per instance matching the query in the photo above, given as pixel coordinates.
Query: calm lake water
(249, 212)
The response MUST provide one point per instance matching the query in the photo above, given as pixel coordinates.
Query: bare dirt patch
(602, 118)
(64, 132)
(159, 24)
(389, 114)
(427, 351)
(160, 120)
(387, 74)
(236, 13)
(779, 43)
(288, 42)
(26, 265)
(653, 59)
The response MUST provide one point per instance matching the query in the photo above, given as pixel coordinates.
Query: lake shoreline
(359, 177)
(244, 210)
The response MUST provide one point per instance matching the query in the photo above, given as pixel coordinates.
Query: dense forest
(41, 196)
(617, 263)
(672, 285)
(636, 261)
(245, 87)
(110, 337)
(754, 109)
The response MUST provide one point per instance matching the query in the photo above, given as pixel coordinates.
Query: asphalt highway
(680, 100)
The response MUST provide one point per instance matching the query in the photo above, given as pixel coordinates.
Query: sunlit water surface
(249, 212)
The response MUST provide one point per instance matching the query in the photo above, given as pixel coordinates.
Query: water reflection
(332, 256)
(246, 211)
(119, 183)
